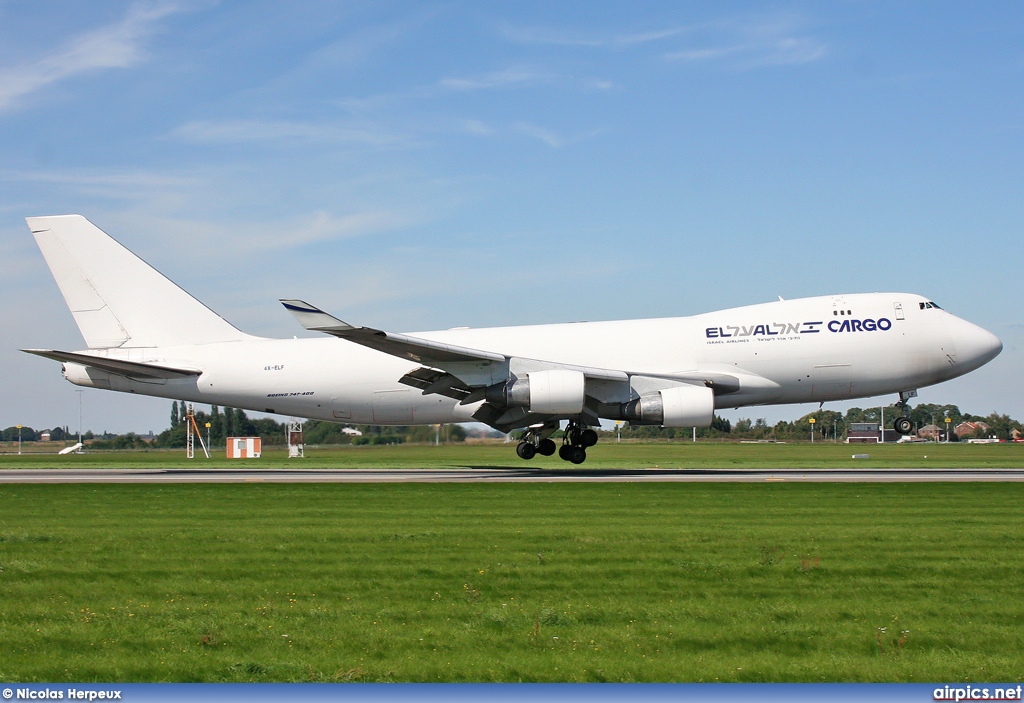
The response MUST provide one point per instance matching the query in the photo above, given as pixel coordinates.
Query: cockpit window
(929, 305)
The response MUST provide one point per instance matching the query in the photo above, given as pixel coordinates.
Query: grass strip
(512, 582)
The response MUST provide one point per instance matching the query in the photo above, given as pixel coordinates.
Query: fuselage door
(899, 310)
(832, 382)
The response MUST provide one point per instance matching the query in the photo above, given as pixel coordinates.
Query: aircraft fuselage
(808, 350)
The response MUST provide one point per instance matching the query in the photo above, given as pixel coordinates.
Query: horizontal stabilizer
(132, 369)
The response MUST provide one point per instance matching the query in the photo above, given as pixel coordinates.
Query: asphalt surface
(504, 475)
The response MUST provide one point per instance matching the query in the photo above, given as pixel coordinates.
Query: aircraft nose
(976, 346)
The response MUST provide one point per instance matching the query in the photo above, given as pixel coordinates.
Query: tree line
(830, 424)
(233, 422)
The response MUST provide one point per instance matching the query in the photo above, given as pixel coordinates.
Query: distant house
(44, 436)
(932, 432)
(965, 429)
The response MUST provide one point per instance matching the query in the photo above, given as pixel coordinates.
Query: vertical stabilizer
(119, 300)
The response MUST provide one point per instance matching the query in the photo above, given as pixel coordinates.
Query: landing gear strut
(903, 424)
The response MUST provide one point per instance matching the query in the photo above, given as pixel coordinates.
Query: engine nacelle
(679, 406)
(550, 392)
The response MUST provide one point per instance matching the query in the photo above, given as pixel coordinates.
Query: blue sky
(427, 165)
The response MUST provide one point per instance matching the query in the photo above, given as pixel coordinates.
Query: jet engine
(549, 392)
(679, 406)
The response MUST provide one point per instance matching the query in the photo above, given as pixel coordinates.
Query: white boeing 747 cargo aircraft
(146, 335)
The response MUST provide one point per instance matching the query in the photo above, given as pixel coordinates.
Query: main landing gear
(574, 443)
(536, 441)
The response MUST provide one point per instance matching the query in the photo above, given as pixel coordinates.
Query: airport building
(870, 433)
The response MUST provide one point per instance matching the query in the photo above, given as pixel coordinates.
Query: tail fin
(119, 300)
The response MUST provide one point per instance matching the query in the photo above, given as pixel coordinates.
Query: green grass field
(627, 455)
(512, 582)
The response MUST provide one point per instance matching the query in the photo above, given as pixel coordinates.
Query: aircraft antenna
(295, 443)
(191, 432)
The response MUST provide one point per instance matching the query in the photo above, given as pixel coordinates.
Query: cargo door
(832, 382)
(392, 407)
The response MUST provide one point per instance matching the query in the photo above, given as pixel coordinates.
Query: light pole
(19, 439)
(948, 420)
(79, 419)
(208, 434)
(812, 429)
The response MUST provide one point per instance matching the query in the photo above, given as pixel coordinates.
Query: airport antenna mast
(191, 432)
(296, 447)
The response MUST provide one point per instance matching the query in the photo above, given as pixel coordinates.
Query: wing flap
(434, 381)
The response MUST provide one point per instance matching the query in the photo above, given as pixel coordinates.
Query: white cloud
(115, 46)
(551, 138)
(322, 226)
(514, 77)
(476, 127)
(540, 35)
(232, 237)
(751, 44)
(242, 131)
(748, 42)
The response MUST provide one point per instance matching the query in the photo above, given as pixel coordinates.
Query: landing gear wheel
(588, 438)
(547, 447)
(577, 454)
(903, 425)
(526, 450)
(563, 452)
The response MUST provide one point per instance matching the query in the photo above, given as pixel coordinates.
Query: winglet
(315, 319)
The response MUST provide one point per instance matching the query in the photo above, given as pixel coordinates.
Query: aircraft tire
(588, 438)
(577, 455)
(547, 447)
(563, 452)
(903, 425)
(526, 450)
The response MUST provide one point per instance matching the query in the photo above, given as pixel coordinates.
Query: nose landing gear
(903, 424)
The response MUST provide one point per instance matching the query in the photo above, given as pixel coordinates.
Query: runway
(507, 475)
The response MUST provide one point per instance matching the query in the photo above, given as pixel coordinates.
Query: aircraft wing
(133, 369)
(422, 351)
